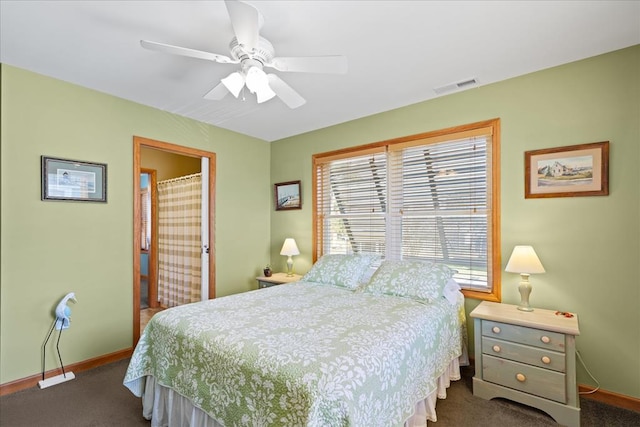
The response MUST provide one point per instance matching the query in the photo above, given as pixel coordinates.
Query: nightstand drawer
(524, 335)
(529, 379)
(276, 279)
(264, 284)
(521, 353)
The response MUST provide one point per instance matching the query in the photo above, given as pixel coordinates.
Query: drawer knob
(495, 330)
(546, 360)
(496, 348)
(545, 339)
(521, 377)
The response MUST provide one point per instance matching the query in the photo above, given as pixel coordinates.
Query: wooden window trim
(486, 127)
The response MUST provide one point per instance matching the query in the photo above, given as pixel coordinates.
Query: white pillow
(451, 291)
(420, 280)
(340, 270)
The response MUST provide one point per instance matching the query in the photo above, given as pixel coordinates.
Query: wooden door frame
(138, 143)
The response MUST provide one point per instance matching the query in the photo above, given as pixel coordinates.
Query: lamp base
(525, 290)
(289, 267)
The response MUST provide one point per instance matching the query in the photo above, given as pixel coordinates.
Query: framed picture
(73, 180)
(287, 195)
(577, 170)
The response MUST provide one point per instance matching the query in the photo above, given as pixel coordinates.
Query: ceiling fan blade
(245, 20)
(335, 64)
(285, 92)
(184, 51)
(217, 93)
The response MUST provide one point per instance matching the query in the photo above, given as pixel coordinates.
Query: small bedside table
(527, 357)
(276, 279)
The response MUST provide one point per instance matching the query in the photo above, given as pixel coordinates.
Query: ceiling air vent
(452, 87)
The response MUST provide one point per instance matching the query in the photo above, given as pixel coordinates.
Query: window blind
(427, 197)
(440, 206)
(352, 204)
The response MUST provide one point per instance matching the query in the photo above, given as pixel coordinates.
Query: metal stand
(44, 383)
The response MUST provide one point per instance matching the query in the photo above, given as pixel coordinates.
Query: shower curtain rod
(180, 178)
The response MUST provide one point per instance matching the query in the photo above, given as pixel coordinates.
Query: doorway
(141, 145)
(148, 238)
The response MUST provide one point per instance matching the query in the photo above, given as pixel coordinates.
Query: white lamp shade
(524, 260)
(234, 82)
(289, 247)
(258, 83)
(265, 95)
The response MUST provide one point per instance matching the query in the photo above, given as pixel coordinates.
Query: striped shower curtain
(179, 240)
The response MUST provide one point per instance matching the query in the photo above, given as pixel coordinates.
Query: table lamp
(524, 261)
(289, 249)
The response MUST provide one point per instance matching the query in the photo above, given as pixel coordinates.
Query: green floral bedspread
(301, 354)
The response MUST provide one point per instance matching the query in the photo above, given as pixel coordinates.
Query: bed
(303, 354)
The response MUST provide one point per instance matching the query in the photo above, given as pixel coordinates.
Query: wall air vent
(453, 87)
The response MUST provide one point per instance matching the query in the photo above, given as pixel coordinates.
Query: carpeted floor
(97, 398)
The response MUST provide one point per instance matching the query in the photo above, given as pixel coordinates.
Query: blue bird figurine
(63, 312)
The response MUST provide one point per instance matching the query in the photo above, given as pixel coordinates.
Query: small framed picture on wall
(73, 180)
(287, 196)
(577, 170)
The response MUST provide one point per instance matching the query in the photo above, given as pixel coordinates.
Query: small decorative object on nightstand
(527, 357)
(276, 279)
(267, 271)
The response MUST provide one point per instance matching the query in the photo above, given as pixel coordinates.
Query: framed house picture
(73, 180)
(287, 196)
(577, 170)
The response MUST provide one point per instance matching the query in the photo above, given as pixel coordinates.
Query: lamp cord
(590, 374)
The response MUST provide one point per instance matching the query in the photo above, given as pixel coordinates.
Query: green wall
(590, 246)
(51, 248)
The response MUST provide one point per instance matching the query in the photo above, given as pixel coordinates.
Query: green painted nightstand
(527, 357)
(276, 279)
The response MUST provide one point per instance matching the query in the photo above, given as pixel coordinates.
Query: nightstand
(527, 357)
(276, 279)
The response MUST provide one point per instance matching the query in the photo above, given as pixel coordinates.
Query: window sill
(483, 296)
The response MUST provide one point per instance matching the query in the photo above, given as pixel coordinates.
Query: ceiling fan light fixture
(234, 82)
(265, 95)
(257, 82)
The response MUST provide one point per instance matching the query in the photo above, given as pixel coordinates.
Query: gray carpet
(97, 398)
(144, 293)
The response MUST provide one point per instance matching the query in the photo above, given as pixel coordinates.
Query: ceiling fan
(253, 53)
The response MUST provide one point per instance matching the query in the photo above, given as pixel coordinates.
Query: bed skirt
(166, 408)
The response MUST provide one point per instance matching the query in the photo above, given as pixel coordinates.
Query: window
(431, 196)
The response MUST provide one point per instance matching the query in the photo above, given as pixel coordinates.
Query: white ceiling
(397, 51)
